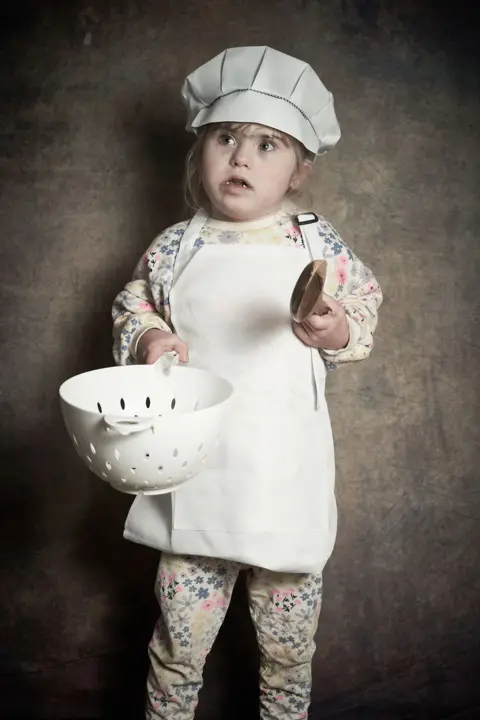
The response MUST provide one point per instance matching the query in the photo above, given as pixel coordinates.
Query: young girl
(216, 290)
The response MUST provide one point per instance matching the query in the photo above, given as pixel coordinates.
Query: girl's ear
(300, 175)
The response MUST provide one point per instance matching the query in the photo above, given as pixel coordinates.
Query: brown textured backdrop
(91, 153)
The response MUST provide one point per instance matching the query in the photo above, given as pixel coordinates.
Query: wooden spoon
(307, 297)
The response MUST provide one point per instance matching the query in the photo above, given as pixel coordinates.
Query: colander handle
(129, 425)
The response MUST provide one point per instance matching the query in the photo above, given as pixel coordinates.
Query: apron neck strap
(187, 242)
(195, 225)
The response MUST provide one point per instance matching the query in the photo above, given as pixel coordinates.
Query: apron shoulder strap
(307, 222)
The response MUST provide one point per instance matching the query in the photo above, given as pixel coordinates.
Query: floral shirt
(144, 302)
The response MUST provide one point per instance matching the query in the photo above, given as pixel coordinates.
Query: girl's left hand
(326, 332)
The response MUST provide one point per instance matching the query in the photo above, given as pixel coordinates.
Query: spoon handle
(166, 362)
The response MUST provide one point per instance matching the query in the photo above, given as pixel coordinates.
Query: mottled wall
(91, 153)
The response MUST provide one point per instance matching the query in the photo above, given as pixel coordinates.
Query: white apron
(267, 498)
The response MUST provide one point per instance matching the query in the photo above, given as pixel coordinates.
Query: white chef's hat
(263, 86)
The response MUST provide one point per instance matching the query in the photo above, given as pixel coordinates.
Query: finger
(319, 323)
(182, 349)
(154, 354)
(335, 306)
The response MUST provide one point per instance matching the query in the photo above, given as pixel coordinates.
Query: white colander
(141, 429)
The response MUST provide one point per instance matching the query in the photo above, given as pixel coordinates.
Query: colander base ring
(163, 491)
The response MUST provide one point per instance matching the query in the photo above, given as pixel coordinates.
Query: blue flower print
(229, 237)
(336, 248)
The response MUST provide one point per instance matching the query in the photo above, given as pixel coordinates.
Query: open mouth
(238, 182)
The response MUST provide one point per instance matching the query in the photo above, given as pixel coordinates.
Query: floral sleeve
(143, 303)
(353, 284)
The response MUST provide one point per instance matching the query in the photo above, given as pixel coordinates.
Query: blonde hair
(194, 194)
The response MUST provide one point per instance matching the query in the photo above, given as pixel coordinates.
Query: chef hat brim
(251, 106)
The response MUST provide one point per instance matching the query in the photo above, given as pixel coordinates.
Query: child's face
(247, 172)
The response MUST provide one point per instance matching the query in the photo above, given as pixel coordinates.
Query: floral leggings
(194, 594)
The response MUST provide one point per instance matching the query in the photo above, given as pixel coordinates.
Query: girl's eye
(267, 146)
(227, 139)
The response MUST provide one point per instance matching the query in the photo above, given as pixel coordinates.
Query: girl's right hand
(155, 343)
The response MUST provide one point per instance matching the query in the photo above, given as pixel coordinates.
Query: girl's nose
(241, 156)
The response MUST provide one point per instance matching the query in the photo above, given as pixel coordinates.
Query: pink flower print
(146, 306)
(368, 287)
(292, 230)
(341, 276)
(284, 600)
(292, 234)
(342, 261)
(218, 600)
(207, 605)
(283, 593)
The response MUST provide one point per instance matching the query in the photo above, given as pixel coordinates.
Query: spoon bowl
(307, 297)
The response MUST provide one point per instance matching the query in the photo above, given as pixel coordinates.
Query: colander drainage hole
(116, 452)
(147, 455)
(175, 453)
(104, 475)
(173, 403)
(145, 482)
(160, 468)
(75, 440)
(133, 470)
(92, 448)
(108, 466)
(200, 447)
(123, 479)
(122, 403)
(89, 458)
(185, 464)
(99, 407)
(147, 402)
